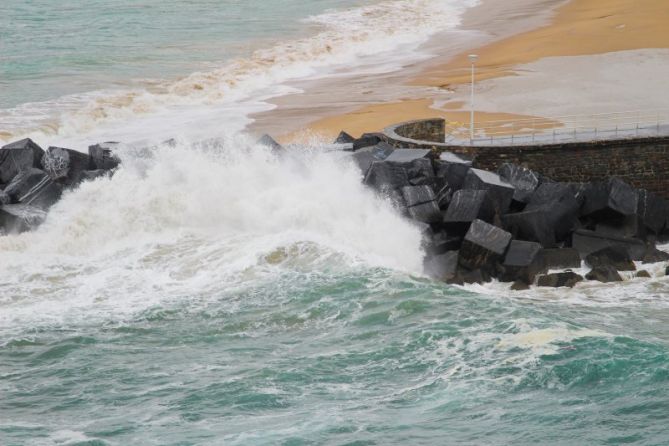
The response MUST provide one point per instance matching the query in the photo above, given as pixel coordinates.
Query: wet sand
(440, 87)
(348, 92)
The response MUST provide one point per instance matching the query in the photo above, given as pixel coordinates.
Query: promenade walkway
(565, 129)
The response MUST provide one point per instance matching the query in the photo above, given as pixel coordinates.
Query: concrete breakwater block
(366, 140)
(466, 206)
(605, 274)
(610, 197)
(102, 156)
(652, 210)
(567, 279)
(587, 242)
(65, 165)
(453, 171)
(407, 155)
(33, 179)
(17, 156)
(524, 180)
(501, 192)
(615, 256)
(516, 224)
(523, 261)
(483, 245)
(561, 258)
(344, 138)
(34, 187)
(367, 155)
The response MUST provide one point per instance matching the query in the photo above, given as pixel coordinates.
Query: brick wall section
(642, 162)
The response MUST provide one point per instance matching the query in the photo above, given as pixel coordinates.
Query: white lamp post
(472, 58)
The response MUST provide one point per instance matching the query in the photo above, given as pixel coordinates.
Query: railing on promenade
(560, 129)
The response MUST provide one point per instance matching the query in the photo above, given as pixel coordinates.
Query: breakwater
(513, 224)
(640, 162)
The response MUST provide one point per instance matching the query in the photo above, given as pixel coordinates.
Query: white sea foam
(176, 222)
(204, 102)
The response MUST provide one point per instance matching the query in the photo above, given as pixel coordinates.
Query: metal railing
(618, 125)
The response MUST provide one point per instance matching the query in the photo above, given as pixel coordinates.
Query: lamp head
(473, 58)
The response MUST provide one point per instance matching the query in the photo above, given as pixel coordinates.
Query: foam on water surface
(197, 103)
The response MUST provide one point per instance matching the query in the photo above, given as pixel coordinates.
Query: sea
(213, 293)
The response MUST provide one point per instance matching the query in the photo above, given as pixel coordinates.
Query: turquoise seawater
(241, 299)
(361, 358)
(50, 48)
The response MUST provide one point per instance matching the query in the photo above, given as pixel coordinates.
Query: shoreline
(575, 30)
(322, 99)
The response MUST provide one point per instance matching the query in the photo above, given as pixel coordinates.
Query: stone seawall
(643, 162)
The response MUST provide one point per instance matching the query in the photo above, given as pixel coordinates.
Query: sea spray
(175, 217)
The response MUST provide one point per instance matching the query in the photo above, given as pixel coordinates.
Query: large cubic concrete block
(587, 242)
(468, 205)
(610, 197)
(65, 165)
(500, 192)
(102, 157)
(34, 187)
(524, 180)
(370, 154)
(523, 261)
(483, 245)
(384, 176)
(408, 155)
(17, 156)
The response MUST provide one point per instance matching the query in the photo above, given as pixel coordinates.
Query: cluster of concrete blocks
(33, 179)
(514, 225)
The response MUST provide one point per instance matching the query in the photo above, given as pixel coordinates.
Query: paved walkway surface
(559, 136)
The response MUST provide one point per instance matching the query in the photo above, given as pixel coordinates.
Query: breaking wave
(387, 31)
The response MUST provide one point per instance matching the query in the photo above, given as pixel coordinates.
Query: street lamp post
(472, 58)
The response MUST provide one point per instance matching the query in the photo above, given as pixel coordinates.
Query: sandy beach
(600, 56)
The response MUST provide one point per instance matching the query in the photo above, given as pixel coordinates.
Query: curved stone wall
(642, 162)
